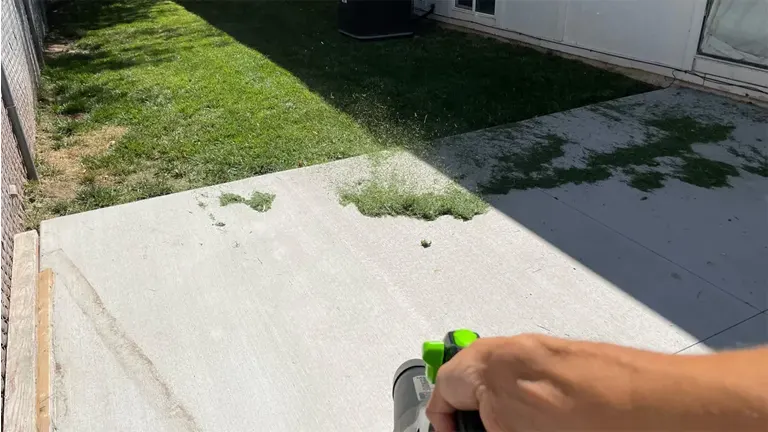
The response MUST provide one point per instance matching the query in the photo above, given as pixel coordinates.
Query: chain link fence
(23, 31)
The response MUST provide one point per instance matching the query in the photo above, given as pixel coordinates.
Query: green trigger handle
(436, 354)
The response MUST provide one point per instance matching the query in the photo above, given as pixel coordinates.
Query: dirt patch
(58, 48)
(65, 163)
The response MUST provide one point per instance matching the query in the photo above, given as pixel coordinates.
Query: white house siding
(659, 36)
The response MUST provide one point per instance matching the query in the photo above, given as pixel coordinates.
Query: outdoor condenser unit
(375, 19)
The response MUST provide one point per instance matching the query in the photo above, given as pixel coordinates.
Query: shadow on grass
(71, 19)
(438, 84)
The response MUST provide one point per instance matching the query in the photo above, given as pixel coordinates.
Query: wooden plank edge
(21, 353)
(44, 358)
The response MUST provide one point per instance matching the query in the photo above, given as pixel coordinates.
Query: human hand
(497, 377)
(542, 383)
(539, 383)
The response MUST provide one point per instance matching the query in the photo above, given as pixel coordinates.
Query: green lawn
(142, 97)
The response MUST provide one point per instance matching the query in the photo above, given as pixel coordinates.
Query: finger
(440, 412)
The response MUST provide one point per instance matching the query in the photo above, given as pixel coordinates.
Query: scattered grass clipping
(258, 201)
(646, 181)
(533, 167)
(376, 200)
(756, 161)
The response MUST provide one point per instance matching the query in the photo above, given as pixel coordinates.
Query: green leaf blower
(414, 379)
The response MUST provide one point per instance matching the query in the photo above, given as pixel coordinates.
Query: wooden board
(19, 414)
(44, 359)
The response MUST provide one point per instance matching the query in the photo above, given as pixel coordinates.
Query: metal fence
(23, 30)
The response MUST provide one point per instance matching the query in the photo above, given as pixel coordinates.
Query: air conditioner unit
(375, 19)
(421, 6)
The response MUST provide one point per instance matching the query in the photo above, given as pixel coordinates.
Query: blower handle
(436, 354)
(468, 421)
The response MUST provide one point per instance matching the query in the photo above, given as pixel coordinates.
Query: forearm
(624, 388)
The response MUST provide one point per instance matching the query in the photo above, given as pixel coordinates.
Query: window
(480, 6)
(736, 30)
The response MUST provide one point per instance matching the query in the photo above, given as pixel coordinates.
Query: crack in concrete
(136, 364)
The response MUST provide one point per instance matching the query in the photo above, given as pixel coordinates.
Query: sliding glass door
(737, 30)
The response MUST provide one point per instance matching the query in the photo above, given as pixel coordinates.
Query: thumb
(440, 412)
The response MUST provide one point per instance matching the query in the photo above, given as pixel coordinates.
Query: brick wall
(23, 30)
(20, 60)
(13, 174)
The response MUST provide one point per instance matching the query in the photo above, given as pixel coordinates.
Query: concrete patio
(177, 314)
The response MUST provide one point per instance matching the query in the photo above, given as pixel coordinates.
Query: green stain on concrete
(533, 167)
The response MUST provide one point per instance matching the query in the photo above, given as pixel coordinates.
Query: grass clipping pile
(259, 201)
(402, 185)
(380, 199)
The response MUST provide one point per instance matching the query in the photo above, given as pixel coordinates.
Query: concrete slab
(201, 317)
(178, 314)
(720, 234)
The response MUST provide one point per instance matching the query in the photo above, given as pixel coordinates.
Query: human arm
(536, 382)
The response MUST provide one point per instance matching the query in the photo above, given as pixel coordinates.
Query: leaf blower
(414, 380)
